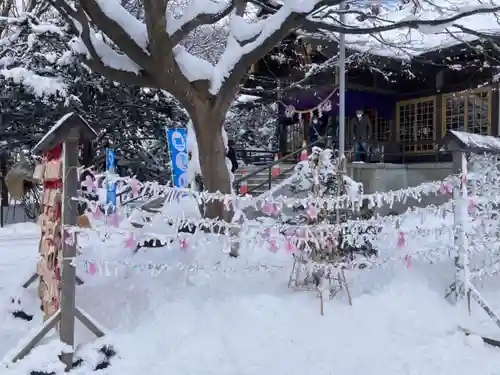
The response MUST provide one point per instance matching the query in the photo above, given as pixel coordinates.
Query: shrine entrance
(307, 125)
(296, 134)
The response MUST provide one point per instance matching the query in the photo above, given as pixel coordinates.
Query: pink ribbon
(92, 269)
(401, 240)
(273, 246)
(408, 261)
(290, 247)
(134, 186)
(472, 208)
(89, 183)
(130, 242)
(184, 244)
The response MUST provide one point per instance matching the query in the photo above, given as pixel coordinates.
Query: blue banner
(177, 145)
(110, 167)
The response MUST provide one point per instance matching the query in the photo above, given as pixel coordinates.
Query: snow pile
(156, 304)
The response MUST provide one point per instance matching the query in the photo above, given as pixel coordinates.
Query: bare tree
(147, 42)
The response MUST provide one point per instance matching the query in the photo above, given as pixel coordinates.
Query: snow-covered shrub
(319, 176)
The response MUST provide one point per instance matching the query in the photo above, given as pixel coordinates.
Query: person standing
(231, 154)
(361, 128)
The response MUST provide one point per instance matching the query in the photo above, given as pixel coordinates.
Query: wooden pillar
(495, 109)
(4, 158)
(69, 215)
(87, 157)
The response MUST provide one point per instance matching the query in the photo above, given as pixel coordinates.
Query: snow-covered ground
(236, 316)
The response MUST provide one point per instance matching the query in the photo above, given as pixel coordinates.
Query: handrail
(238, 182)
(256, 151)
(270, 179)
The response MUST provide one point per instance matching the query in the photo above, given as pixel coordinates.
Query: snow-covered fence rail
(392, 236)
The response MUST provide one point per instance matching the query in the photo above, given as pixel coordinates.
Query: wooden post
(69, 130)
(457, 289)
(4, 194)
(68, 270)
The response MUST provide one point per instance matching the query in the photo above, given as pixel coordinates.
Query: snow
(193, 10)
(132, 26)
(246, 98)
(234, 318)
(242, 30)
(53, 129)
(46, 28)
(477, 141)
(194, 159)
(106, 53)
(41, 86)
(192, 67)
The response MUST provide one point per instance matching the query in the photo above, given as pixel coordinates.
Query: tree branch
(199, 20)
(95, 63)
(160, 45)
(117, 34)
(230, 86)
(411, 24)
(162, 50)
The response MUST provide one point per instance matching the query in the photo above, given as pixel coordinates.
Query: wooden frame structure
(68, 132)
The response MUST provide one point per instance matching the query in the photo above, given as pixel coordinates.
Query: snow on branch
(28, 66)
(407, 29)
(131, 25)
(131, 35)
(212, 12)
(147, 46)
(44, 78)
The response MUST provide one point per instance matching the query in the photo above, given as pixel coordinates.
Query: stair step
(259, 183)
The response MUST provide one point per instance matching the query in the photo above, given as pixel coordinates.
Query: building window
(381, 127)
(416, 125)
(469, 112)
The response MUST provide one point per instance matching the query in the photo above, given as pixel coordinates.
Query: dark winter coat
(231, 154)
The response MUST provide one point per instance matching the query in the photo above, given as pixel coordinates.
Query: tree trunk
(212, 155)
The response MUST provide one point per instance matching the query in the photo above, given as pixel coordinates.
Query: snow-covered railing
(390, 236)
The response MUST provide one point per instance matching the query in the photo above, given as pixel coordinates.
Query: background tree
(253, 127)
(146, 47)
(41, 80)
